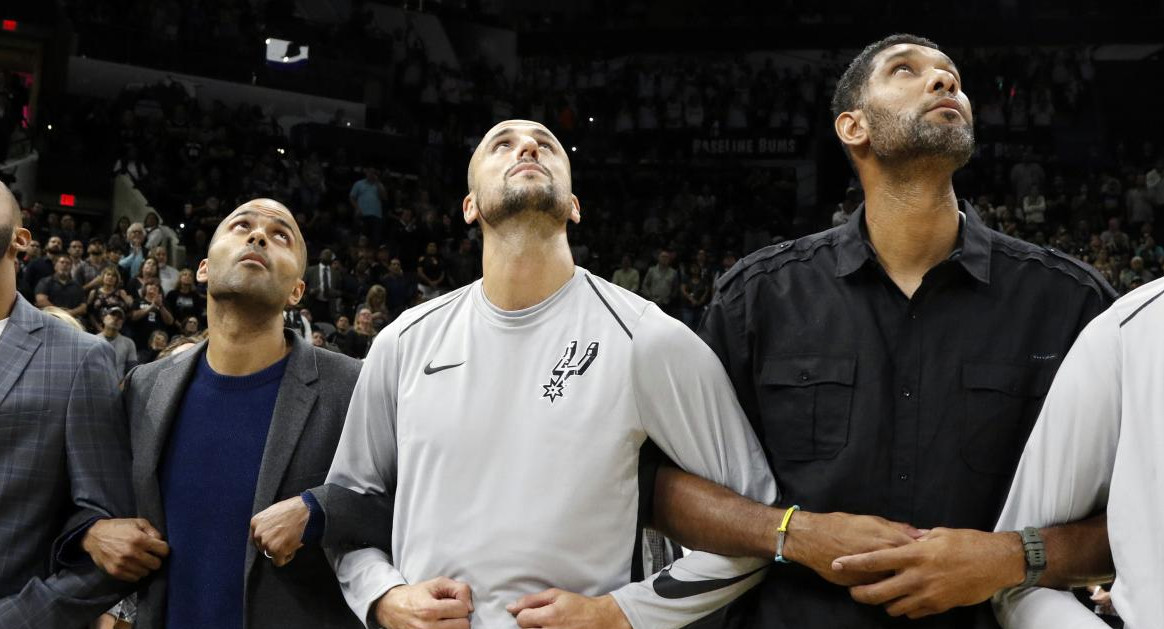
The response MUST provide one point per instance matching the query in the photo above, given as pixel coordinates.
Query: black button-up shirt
(867, 401)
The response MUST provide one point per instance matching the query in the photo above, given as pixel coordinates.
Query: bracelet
(782, 531)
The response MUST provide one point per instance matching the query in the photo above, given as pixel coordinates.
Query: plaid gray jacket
(64, 461)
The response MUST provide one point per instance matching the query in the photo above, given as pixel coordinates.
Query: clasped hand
(443, 603)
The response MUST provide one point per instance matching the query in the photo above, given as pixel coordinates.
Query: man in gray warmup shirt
(507, 418)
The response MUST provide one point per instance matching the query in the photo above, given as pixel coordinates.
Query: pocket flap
(807, 370)
(1022, 380)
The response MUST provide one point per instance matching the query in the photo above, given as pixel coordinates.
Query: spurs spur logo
(567, 367)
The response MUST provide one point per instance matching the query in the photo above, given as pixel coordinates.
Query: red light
(9, 25)
(68, 200)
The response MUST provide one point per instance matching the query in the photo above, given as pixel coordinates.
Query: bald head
(278, 212)
(510, 127)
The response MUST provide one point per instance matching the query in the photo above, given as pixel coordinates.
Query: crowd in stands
(656, 219)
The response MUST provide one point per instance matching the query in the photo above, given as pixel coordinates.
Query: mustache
(254, 250)
(526, 162)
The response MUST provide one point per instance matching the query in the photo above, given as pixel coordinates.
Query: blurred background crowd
(696, 138)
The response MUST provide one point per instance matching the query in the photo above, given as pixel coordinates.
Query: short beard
(259, 299)
(541, 201)
(5, 239)
(258, 302)
(906, 138)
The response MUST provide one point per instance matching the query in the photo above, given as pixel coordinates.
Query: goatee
(536, 200)
(907, 137)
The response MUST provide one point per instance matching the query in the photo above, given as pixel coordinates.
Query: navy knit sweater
(208, 477)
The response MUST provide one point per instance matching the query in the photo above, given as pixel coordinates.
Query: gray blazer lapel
(293, 405)
(165, 399)
(17, 344)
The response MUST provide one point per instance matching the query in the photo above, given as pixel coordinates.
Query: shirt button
(906, 393)
(903, 477)
(804, 376)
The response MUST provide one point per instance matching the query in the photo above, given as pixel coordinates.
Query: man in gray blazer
(220, 432)
(64, 455)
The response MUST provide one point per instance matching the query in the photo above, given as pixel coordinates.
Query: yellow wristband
(782, 531)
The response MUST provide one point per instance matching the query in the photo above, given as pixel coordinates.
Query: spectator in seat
(166, 273)
(626, 276)
(430, 269)
(88, 271)
(112, 319)
(157, 234)
(186, 301)
(150, 315)
(109, 294)
(1135, 273)
(1035, 207)
(660, 283)
(147, 272)
(367, 198)
(358, 339)
(377, 301)
(400, 287)
(158, 340)
(61, 290)
(696, 293)
(39, 263)
(136, 255)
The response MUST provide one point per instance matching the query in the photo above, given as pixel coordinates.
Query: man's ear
(296, 293)
(576, 212)
(469, 209)
(203, 272)
(852, 128)
(20, 239)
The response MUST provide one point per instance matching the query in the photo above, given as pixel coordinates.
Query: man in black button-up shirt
(893, 366)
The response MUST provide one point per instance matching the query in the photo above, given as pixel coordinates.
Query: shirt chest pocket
(804, 402)
(1002, 402)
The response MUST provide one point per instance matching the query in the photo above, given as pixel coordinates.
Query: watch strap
(1036, 555)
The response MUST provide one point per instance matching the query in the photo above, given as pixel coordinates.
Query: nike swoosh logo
(669, 587)
(430, 370)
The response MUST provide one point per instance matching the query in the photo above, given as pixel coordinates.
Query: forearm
(364, 576)
(1078, 554)
(702, 515)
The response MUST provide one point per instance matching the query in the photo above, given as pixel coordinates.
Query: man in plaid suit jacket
(64, 455)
